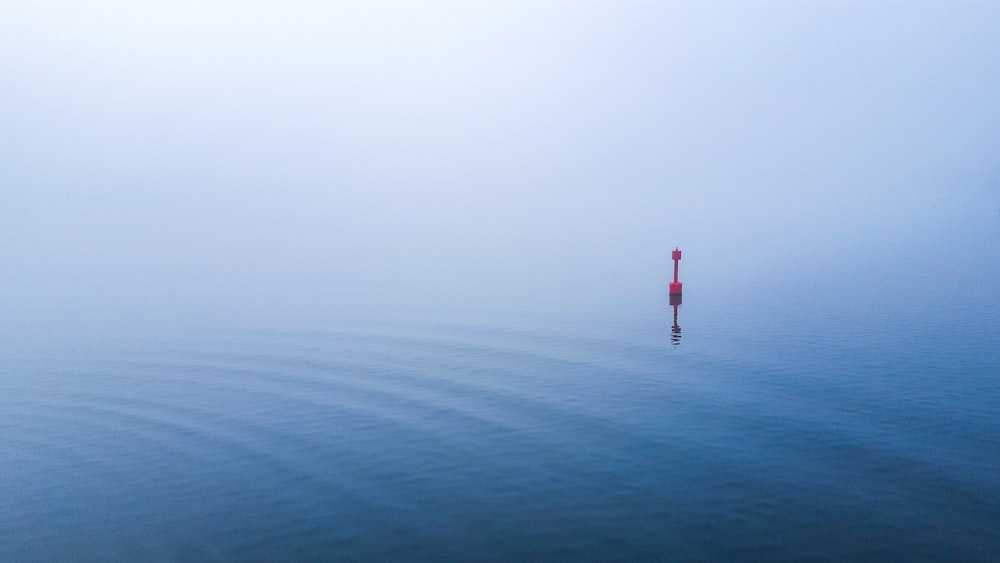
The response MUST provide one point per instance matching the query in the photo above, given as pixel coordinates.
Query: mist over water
(380, 280)
(182, 152)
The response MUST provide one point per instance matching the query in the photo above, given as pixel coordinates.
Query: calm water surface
(785, 426)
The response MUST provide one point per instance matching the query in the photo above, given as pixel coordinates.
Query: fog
(194, 152)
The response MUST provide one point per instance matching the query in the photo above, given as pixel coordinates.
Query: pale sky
(209, 150)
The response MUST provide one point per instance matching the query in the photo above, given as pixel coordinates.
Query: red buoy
(675, 286)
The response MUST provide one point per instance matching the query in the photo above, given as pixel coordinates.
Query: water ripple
(451, 441)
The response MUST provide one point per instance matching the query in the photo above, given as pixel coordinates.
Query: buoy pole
(675, 299)
(675, 286)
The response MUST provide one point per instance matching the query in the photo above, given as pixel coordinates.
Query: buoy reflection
(675, 331)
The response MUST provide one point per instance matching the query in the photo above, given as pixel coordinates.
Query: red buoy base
(675, 288)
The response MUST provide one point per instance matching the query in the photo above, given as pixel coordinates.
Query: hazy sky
(209, 149)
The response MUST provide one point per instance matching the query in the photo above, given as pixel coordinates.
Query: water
(783, 425)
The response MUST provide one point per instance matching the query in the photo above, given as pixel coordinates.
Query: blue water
(783, 425)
